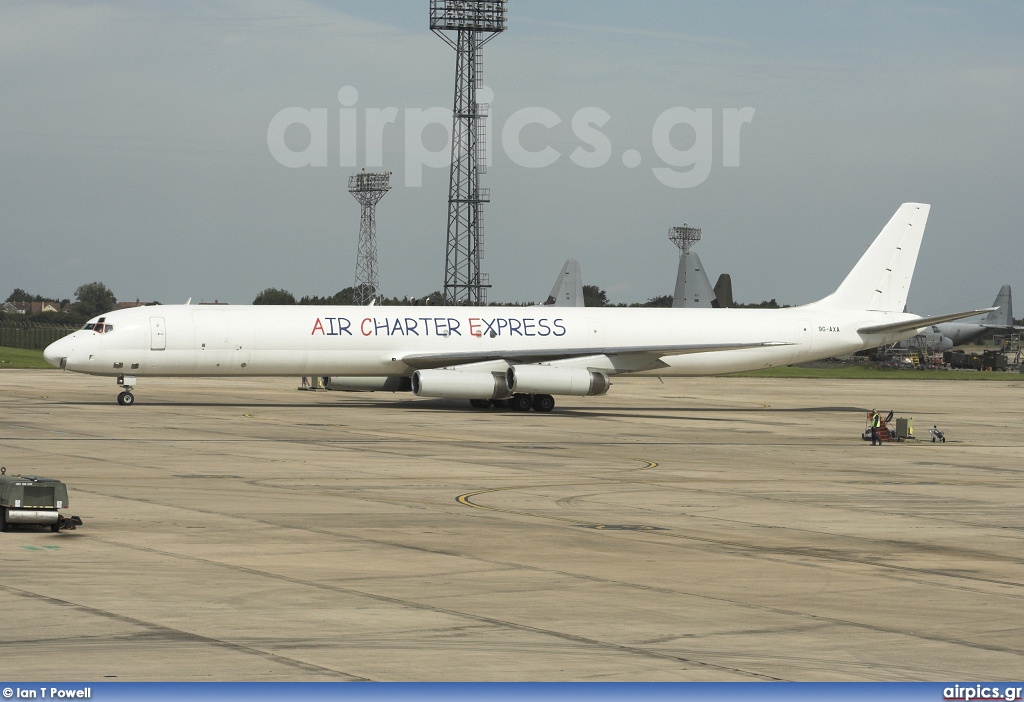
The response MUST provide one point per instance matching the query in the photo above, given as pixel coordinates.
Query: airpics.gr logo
(981, 692)
(677, 167)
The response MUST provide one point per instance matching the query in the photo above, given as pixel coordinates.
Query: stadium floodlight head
(364, 183)
(473, 15)
(684, 237)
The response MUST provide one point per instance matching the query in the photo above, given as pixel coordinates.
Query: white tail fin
(881, 279)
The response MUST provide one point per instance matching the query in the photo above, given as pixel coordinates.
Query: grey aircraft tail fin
(723, 291)
(1003, 316)
(693, 289)
(568, 290)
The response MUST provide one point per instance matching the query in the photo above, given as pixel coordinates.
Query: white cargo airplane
(488, 355)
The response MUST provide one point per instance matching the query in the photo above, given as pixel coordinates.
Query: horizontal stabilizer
(920, 322)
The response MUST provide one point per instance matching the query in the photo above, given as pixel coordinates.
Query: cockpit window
(99, 327)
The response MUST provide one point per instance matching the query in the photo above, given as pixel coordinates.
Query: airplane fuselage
(235, 340)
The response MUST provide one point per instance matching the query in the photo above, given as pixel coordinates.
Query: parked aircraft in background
(523, 356)
(1000, 318)
(693, 289)
(943, 336)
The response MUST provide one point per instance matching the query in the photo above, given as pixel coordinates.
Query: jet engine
(465, 385)
(391, 383)
(553, 380)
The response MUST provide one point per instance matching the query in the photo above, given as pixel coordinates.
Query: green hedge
(31, 336)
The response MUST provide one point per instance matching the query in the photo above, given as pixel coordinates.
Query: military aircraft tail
(568, 290)
(693, 289)
(1003, 315)
(723, 291)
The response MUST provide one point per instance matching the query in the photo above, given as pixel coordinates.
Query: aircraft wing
(920, 322)
(650, 353)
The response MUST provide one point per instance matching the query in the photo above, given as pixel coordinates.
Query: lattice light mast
(368, 189)
(466, 25)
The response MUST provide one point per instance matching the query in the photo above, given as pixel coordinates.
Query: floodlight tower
(368, 189)
(684, 237)
(474, 23)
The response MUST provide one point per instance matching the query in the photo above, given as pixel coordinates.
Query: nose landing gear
(127, 382)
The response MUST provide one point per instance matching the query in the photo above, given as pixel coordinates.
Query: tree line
(593, 296)
(92, 299)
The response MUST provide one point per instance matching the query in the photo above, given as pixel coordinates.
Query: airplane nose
(56, 354)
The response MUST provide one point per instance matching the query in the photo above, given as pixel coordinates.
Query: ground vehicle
(30, 499)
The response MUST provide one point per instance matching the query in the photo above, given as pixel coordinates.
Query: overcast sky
(138, 145)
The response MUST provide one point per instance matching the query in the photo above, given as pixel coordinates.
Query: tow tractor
(30, 499)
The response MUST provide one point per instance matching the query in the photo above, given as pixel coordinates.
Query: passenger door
(157, 334)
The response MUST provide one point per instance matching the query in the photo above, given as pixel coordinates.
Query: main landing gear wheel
(543, 403)
(126, 398)
(521, 403)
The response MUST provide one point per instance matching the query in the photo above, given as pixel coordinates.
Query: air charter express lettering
(439, 326)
